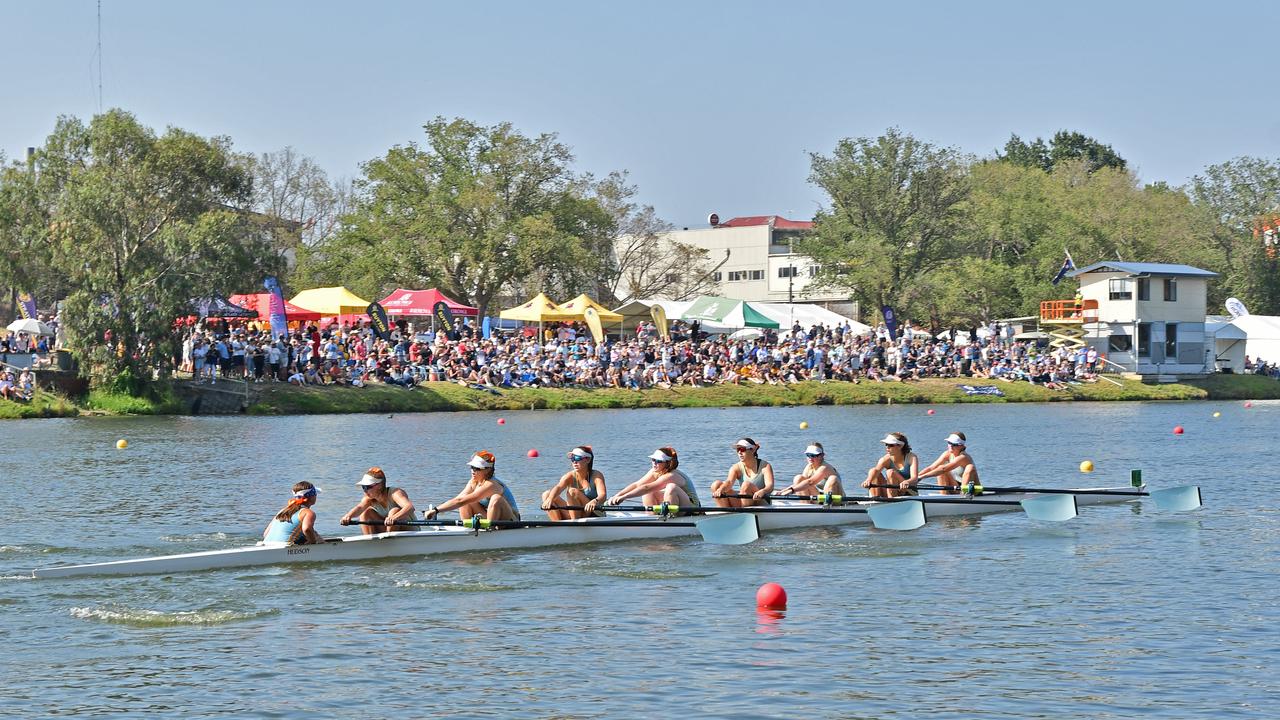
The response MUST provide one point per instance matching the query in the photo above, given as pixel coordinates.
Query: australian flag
(1067, 266)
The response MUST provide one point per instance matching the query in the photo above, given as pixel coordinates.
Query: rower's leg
(893, 477)
(970, 476)
(371, 515)
(833, 487)
(559, 514)
(875, 478)
(578, 498)
(473, 508)
(724, 487)
(748, 488)
(674, 495)
(499, 508)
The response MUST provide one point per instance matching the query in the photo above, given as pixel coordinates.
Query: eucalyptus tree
(895, 208)
(476, 211)
(138, 223)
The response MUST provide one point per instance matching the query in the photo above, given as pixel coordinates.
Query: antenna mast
(99, 57)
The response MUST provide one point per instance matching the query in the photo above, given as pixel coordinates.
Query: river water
(1123, 612)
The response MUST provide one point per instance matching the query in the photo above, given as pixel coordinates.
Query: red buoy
(930, 412)
(1248, 405)
(533, 453)
(771, 596)
(502, 421)
(1177, 430)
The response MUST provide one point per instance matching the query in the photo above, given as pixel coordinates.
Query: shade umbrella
(746, 334)
(219, 307)
(30, 326)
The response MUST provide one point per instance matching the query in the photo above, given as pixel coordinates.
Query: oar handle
(434, 523)
(633, 508)
(823, 499)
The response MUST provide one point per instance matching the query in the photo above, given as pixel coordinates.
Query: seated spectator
(297, 378)
(8, 389)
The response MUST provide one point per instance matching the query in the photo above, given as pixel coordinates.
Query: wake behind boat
(616, 527)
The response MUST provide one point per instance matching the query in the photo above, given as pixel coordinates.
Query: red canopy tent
(421, 302)
(261, 302)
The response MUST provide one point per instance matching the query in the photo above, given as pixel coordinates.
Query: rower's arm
(767, 471)
(634, 488)
(936, 469)
(309, 526)
(359, 508)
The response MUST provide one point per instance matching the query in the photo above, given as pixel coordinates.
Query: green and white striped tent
(726, 313)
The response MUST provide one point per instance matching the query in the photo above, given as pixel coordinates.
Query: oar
(1174, 499)
(1053, 508)
(721, 530)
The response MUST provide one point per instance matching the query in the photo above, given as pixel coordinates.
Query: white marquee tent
(1257, 336)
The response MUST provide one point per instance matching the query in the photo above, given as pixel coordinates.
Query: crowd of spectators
(566, 356)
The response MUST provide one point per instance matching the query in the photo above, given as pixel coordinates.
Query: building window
(1144, 289)
(1120, 289)
(757, 274)
(1119, 343)
(813, 270)
(737, 275)
(1171, 289)
(787, 272)
(717, 276)
(1171, 342)
(673, 277)
(1144, 339)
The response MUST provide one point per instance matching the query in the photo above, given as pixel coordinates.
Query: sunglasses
(578, 458)
(659, 462)
(742, 449)
(813, 455)
(367, 488)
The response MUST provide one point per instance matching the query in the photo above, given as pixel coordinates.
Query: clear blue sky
(712, 106)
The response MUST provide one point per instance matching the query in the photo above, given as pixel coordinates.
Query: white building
(761, 265)
(1151, 317)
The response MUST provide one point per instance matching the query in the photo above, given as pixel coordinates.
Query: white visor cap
(660, 456)
(814, 450)
(479, 463)
(891, 440)
(368, 480)
(954, 439)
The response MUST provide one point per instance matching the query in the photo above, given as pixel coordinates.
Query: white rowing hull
(439, 540)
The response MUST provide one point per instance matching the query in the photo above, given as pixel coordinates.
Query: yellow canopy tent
(573, 310)
(539, 309)
(331, 301)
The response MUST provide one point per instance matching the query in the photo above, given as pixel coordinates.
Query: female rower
(484, 494)
(296, 522)
(953, 468)
(898, 466)
(583, 486)
(664, 483)
(819, 477)
(381, 504)
(756, 476)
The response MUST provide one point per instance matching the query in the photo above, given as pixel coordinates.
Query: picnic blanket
(981, 390)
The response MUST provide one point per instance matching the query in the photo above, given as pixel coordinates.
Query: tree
(138, 224)
(644, 261)
(477, 211)
(1064, 146)
(1233, 195)
(896, 207)
(293, 190)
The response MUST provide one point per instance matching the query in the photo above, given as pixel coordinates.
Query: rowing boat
(453, 539)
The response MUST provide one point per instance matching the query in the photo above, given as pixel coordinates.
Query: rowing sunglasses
(578, 458)
(813, 455)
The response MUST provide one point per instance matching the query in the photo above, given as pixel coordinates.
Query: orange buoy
(771, 596)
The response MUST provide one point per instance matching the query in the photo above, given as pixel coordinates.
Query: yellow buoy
(1217, 414)
(122, 444)
(804, 426)
(1086, 466)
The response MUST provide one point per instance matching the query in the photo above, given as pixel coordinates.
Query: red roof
(775, 221)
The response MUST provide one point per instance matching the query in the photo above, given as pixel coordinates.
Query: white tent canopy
(785, 314)
(1257, 336)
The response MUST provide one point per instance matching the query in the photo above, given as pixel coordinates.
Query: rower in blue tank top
(663, 484)
(484, 495)
(296, 521)
(583, 486)
(898, 467)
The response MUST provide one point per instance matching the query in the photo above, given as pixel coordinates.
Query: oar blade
(1178, 499)
(1053, 508)
(729, 529)
(907, 515)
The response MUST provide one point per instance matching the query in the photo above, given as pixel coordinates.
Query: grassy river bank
(434, 397)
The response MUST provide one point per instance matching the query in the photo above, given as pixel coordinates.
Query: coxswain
(295, 524)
